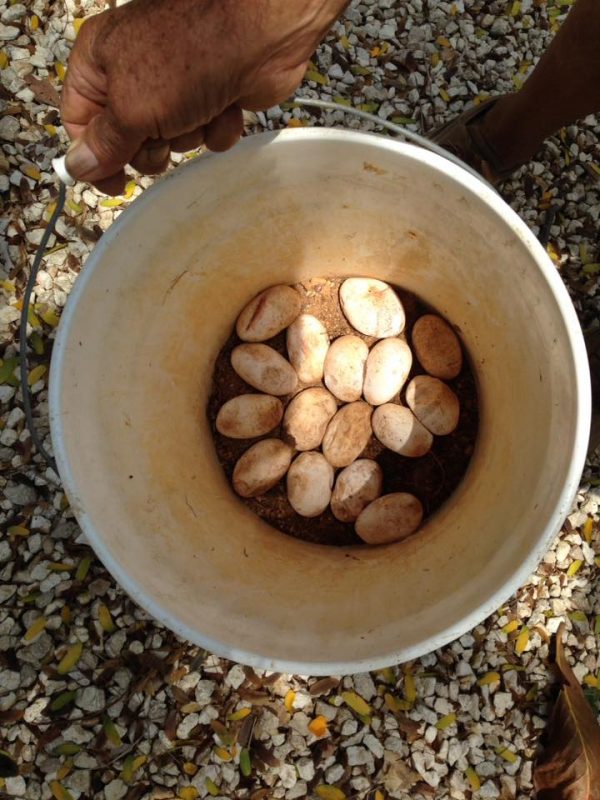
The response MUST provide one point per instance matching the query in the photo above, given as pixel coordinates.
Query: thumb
(102, 150)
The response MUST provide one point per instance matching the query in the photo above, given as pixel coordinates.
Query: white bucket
(132, 370)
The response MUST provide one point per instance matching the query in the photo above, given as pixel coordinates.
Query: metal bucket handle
(415, 138)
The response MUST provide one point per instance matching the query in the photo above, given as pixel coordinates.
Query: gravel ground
(98, 701)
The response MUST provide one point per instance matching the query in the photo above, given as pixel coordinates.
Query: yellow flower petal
(289, 701)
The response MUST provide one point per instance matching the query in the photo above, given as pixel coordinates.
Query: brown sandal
(463, 137)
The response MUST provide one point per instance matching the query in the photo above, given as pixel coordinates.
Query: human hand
(159, 75)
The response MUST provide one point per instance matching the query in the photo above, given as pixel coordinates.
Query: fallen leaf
(82, 569)
(188, 793)
(326, 792)
(18, 530)
(34, 630)
(171, 724)
(356, 703)
(488, 678)
(323, 686)
(70, 658)
(59, 792)
(569, 767)
(8, 766)
(522, 641)
(410, 687)
(473, 779)
(245, 763)
(43, 91)
(105, 619)
(445, 722)
(67, 749)
(111, 732)
(239, 715)
(397, 775)
(62, 700)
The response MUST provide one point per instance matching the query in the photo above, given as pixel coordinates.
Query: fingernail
(81, 161)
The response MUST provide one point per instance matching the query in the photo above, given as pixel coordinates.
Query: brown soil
(432, 478)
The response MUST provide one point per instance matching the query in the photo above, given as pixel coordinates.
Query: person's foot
(465, 137)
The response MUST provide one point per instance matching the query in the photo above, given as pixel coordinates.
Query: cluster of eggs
(339, 394)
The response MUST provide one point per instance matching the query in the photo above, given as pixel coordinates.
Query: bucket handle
(415, 138)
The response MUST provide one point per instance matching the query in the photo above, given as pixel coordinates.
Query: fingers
(102, 150)
(188, 141)
(152, 157)
(114, 185)
(223, 131)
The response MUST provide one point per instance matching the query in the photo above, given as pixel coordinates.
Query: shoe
(462, 136)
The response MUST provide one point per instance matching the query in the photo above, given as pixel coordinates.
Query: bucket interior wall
(145, 326)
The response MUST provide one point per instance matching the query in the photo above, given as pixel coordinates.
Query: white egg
(264, 368)
(386, 371)
(389, 518)
(347, 434)
(399, 430)
(249, 415)
(307, 416)
(372, 307)
(309, 482)
(307, 346)
(355, 487)
(268, 313)
(344, 369)
(434, 404)
(261, 467)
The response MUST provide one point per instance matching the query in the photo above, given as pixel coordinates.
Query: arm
(159, 75)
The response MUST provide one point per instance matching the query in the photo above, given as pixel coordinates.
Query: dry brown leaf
(397, 775)
(569, 767)
(323, 686)
(43, 91)
(171, 724)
